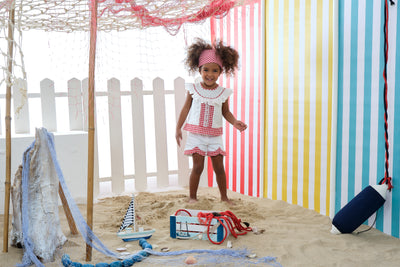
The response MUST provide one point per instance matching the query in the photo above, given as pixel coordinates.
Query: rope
(228, 220)
(132, 259)
(387, 179)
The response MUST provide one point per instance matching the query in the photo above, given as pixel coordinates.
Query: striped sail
(129, 218)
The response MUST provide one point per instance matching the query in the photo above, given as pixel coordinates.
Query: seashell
(121, 249)
(164, 249)
(252, 256)
(190, 260)
(229, 244)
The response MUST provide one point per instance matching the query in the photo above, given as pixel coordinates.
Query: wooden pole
(67, 211)
(91, 128)
(10, 54)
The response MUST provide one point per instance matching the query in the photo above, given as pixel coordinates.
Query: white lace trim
(210, 96)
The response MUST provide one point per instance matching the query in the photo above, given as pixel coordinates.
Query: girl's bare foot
(228, 201)
(192, 200)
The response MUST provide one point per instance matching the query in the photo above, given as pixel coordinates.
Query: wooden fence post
(161, 130)
(48, 101)
(139, 142)
(75, 105)
(183, 161)
(115, 128)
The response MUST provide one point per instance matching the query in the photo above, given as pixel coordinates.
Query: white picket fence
(77, 103)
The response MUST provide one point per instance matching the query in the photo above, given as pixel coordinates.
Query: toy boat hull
(132, 236)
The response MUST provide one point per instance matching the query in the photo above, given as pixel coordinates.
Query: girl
(206, 103)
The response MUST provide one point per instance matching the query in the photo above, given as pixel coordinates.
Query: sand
(294, 235)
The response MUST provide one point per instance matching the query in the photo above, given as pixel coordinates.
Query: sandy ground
(293, 235)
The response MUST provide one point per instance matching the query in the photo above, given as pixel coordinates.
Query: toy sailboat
(125, 232)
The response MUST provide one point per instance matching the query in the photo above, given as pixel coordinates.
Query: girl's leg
(198, 165)
(219, 169)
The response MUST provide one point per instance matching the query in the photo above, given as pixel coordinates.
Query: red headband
(209, 56)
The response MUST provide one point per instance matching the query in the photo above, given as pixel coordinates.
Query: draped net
(74, 15)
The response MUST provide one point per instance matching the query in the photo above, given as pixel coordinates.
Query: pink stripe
(235, 86)
(251, 108)
(228, 128)
(243, 100)
(213, 39)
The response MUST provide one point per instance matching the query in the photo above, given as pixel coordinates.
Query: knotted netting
(74, 15)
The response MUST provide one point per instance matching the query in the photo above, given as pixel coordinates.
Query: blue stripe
(353, 98)
(381, 137)
(396, 141)
(367, 93)
(338, 181)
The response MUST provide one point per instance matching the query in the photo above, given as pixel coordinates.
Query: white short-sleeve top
(205, 115)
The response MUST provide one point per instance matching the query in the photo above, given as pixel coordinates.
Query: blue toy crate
(185, 226)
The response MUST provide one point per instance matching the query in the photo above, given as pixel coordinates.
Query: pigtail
(193, 54)
(229, 57)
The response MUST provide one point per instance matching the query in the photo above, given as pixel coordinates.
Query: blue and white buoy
(359, 209)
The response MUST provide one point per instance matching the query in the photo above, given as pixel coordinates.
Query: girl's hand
(178, 136)
(241, 126)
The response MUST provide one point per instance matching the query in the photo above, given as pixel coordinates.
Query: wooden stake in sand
(91, 128)
(10, 54)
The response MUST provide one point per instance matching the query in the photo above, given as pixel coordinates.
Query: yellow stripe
(265, 186)
(306, 103)
(330, 99)
(318, 109)
(295, 160)
(276, 106)
(285, 130)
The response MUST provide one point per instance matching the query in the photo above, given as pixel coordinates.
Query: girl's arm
(241, 126)
(182, 118)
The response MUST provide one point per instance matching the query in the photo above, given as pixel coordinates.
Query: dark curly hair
(228, 55)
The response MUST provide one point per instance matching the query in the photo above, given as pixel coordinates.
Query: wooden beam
(91, 128)
(67, 211)
(10, 54)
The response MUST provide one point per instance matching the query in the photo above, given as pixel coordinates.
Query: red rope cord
(387, 179)
(228, 220)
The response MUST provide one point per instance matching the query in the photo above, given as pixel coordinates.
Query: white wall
(71, 149)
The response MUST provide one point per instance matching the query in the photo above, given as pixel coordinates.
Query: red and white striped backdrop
(242, 29)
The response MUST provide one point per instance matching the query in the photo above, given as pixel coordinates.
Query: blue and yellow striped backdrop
(360, 131)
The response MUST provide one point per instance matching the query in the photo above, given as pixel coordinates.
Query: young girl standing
(206, 103)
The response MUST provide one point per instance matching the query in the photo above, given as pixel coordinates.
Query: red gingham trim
(206, 115)
(202, 130)
(219, 151)
(222, 91)
(197, 150)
